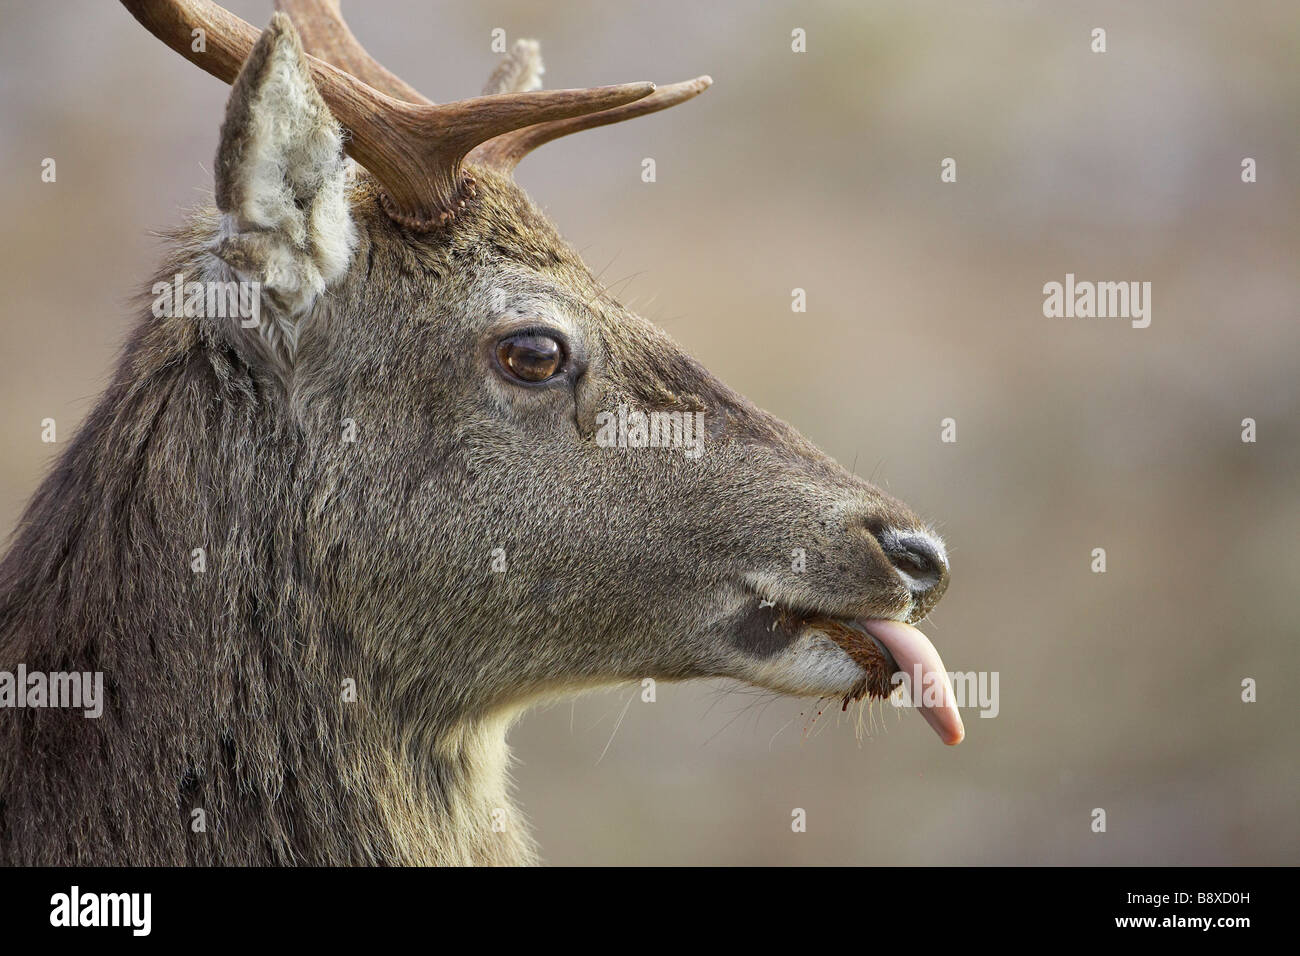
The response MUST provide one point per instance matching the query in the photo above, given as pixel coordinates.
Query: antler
(505, 151)
(414, 150)
(325, 35)
(521, 69)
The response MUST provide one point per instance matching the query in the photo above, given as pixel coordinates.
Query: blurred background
(821, 171)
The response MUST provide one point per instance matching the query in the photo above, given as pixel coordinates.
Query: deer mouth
(887, 653)
(884, 648)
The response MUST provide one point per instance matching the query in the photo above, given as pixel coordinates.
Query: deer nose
(918, 557)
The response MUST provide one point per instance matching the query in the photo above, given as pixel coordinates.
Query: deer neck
(465, 814)
(223, 675)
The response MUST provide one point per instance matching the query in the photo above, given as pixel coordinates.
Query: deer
(325, 554)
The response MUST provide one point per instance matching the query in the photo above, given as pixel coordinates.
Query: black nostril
(914, 564)
(918, 557)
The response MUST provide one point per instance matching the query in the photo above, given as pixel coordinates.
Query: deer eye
(530, 357)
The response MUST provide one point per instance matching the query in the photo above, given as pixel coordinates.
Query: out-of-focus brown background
(821, 171)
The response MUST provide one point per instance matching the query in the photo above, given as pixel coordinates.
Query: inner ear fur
(281, 177)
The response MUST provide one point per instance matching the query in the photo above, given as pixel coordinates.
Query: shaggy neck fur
(224, 737)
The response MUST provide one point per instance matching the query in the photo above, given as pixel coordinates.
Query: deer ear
(281, 177)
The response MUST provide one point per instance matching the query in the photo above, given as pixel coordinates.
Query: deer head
(501, 524)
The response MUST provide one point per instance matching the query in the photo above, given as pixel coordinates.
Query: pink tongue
(912, 649)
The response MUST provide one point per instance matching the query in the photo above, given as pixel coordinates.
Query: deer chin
(856, 659)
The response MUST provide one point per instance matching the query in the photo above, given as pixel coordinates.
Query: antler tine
(505, 151)
(325, 34)
(447, 134)
(414, 150)
(519, 71)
